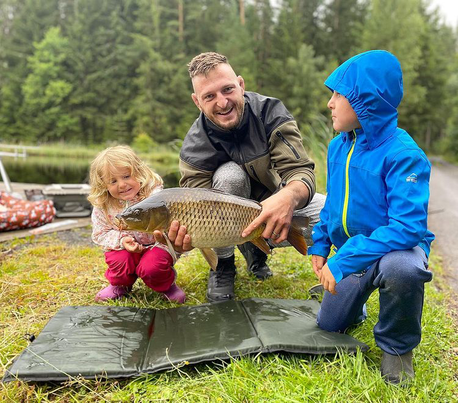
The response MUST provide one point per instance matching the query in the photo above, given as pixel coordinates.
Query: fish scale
(214, 223)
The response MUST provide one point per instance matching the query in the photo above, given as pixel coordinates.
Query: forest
(101, 71)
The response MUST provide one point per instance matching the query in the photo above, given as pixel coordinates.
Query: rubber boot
(397, 369)
(316, 291)
(112, 292)
(175, 294)
(256, 261)
(221, 281)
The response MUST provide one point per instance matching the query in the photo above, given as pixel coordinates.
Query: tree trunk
(180, 21)
(242, 11)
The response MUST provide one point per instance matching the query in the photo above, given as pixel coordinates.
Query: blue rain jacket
(378, 177)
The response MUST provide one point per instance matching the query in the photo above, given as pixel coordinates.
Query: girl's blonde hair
(114, 158)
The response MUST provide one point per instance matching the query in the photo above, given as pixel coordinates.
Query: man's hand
(317, 263)
(327, 279)
(131, 245)
(277, 212)
(177, 235)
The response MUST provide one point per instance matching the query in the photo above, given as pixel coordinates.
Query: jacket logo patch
(412, 178)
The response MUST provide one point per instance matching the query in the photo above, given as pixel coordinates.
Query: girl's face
(121, 185)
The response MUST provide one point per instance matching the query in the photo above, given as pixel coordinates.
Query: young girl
(118, 178)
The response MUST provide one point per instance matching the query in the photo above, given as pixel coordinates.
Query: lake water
(48, 170)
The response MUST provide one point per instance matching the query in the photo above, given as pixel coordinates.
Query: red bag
(21, 214)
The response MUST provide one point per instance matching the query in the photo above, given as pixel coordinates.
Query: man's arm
(295, 168)
(192, 177)
(290, 159)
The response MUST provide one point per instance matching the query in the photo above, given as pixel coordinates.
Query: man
(248, 145)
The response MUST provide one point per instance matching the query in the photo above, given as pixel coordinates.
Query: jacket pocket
(255, 175)
(287, 143)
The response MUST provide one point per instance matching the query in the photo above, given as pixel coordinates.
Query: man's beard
(239, 109)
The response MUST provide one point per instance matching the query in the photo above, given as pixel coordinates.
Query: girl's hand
(131, 245)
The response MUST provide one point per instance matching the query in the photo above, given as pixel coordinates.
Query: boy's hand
(317, 263)
(327, 279)
(131, 245)
(177, 235)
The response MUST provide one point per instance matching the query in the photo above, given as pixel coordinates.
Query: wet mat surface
(116, 342)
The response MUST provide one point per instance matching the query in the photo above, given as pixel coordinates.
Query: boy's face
(219, 95)
(344, 118)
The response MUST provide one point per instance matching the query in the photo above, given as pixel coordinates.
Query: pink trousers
(154, 266)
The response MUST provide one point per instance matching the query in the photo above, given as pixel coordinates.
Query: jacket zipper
(239, 150)
(296, 154)
(347, 186)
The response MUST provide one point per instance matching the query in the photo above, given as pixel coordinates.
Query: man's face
(344, 118)
(220, 96)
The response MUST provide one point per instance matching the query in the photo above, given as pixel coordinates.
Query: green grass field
(40, 276)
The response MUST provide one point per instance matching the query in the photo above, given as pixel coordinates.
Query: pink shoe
(175, 294)
(112, 292)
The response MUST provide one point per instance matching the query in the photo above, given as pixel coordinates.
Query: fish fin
(300, 221)
(210, 256)
(296, 238)
(261, 243)
(170, 248)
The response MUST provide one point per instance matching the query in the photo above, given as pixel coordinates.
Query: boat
(22, 214)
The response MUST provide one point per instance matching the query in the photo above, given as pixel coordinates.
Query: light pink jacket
(109, 237)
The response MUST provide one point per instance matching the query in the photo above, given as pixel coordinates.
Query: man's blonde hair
(204, 63)
(115, 158)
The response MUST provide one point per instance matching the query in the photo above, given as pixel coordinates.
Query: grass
(41, 276)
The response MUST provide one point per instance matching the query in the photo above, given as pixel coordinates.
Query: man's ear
(241, 83)
(196, 101)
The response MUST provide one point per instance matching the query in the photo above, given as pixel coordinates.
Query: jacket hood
(372, 83)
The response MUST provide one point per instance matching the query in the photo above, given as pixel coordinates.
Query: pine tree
(102, 67)
(398, 26)
(304, 76)
(343, 22)
(45, 114)
(23, 23)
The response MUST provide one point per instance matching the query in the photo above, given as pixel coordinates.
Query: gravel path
(443, 216)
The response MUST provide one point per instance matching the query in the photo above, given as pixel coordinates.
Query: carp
(213, 219)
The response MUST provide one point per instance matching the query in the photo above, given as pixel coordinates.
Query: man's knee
(314, 208)
(230, 178)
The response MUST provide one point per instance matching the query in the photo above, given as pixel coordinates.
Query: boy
(375, 213)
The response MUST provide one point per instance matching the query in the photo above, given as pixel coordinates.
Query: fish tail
(296, 238)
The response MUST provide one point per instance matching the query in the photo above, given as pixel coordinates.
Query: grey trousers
(230, 178)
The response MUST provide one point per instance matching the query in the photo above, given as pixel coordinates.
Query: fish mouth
(123, 224)
(119, 223)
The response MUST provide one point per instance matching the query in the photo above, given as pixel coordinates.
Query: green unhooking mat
(116, 342)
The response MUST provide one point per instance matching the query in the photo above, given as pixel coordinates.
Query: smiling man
(246, 144)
